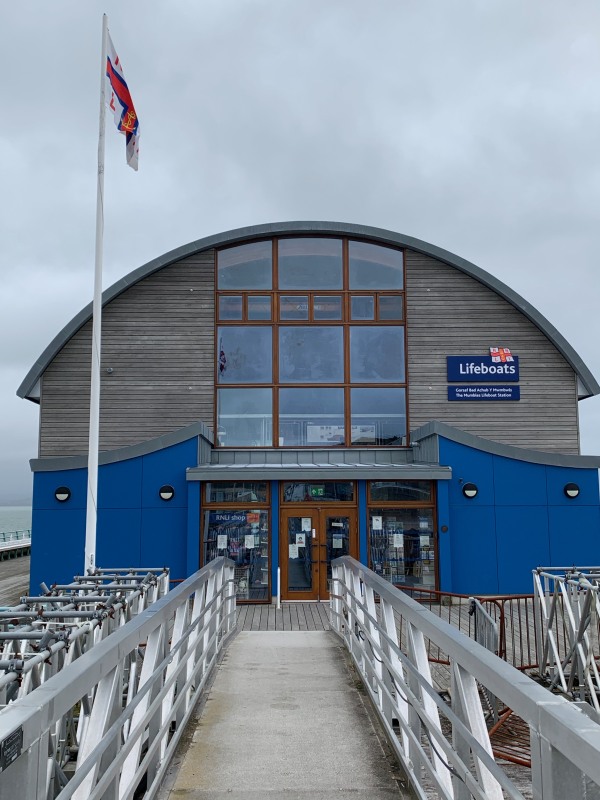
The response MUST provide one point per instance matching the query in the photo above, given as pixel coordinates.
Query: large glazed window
(311, 354)
(246, 267)
(244, 417)
(310, 344)
(310, 264)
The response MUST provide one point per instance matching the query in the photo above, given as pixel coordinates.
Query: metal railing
(14, 542)
(567, 604)
(440, 733)
(513, 614)
(44, 634)
(107, 724)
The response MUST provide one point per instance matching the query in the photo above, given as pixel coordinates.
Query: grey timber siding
(158, 339)
(452, 313)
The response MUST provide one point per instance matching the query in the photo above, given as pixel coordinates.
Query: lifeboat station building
(289, 393)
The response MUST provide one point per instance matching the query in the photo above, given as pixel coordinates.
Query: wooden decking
(290, 617)
(14, 580)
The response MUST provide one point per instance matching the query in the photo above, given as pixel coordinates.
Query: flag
(119, 101)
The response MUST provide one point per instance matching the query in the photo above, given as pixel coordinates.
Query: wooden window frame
(346, 322)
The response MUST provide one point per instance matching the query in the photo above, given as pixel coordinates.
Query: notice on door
(377, 523)
(337, 542)
(293, 551)
(306, 523)
(222, 541)
(301, 539)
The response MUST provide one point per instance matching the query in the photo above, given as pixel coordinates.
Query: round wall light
(470, 490)
(166, 492)
(62, 494)
(571, 490)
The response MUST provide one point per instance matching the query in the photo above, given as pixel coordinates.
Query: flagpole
(94, 429)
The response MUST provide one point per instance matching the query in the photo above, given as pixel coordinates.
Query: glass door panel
(310, 538)
(300, 560)
(336, 543)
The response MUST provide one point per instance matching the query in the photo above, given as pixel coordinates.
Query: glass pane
(363, 307)
(243, 536)
(230, 307)
(401, 491)
(245, 354)
(235, 492)
(377, 354)
(327, 307)
(337, 539)
(293, 306)
(324, 491)
(311, 354)
(311, 417)
(375, 267)
(391, 306)
(310, 264)
(244, 417)
(299, 554)
(245, 267)
(378, 416)
(401, 545)
(259, 307)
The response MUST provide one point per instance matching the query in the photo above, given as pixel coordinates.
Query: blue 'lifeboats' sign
(480, 392)
(470, 369)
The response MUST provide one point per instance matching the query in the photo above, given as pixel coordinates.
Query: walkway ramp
(285, 718)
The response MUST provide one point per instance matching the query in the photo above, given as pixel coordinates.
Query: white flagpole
(93, 445)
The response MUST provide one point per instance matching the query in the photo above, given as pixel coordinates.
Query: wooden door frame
(317, 512)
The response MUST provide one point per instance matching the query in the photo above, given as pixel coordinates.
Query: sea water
(15, 518)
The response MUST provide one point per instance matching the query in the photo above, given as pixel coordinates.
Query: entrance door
(310, 538)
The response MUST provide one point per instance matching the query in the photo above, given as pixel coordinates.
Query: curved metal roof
(588, 385)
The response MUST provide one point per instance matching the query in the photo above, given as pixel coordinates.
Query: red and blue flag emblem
(119, 101)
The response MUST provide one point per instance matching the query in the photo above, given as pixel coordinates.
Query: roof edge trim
(589, 385)
(459, 436)
(56, 463)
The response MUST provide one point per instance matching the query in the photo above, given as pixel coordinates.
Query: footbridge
(116, 688)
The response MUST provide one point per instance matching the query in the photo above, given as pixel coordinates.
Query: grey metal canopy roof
(588, 385)
(318, 471)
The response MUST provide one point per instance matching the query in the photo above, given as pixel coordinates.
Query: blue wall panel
(193, 527)
(468, 466)
(57, 554)
(523, 544)
(534, 523)
(363, 523)
(120, 485)
(519, 483)
(274, 535)
(46, 483)
(168, 466)
(586, 479)
(473, 548)
(444, 537)
(574, 536)
(164, 539)
(118, 538)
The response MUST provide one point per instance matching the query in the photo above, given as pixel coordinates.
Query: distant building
(288, 393)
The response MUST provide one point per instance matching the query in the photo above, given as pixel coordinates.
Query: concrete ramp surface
(285, 718)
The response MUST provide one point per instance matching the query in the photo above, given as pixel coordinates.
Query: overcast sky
(472, 125)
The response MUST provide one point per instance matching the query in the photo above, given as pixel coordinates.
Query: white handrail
(121, 707)
(444, 744)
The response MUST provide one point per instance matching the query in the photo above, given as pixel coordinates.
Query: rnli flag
(120, 103)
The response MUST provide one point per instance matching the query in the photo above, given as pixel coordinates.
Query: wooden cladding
(158, 340)
(450, 313)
